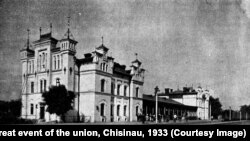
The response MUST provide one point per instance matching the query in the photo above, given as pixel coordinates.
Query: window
(29, 67)
(102, 109)
(57, 81)
(101, 65)
(118, 89)
(43, 60)
(106, 68)
(55, 62)
(125, 110)
(45, 63)
(44, 89)
(102, 85)
(112, 87)
(41, 86)
(38, 63)
(118, 110)
(137, 92)
(32, 87)
(58, 60)
(111, 110)
(31, 109)
(125, 90)
(32, 66)
(61, 61)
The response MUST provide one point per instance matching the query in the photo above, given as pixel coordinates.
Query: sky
(180, 42)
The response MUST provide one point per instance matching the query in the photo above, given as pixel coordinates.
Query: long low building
(166, 107)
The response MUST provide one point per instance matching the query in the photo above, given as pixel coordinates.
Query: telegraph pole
(240, 115)
(156, 104)
(230, 113)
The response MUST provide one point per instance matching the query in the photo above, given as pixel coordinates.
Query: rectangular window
(125, 111)
(31, 109)
(32, 66)
(118, 89)
(41, 86)
(125, 90)
(102, 85)
(54, 62)
(32, 87)
(102, 109)
(112, 88)
(137, 92)
(44, 86)
(118, 110)
(111, 110)
(58, 60)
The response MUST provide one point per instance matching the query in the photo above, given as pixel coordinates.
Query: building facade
(192, 97)
(104, 89)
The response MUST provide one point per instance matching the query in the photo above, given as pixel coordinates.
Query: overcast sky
(180, 42)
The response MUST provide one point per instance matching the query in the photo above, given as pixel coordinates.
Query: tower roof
(102, 47)
(68, 35)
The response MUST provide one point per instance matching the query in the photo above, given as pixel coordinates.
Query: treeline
(242, 114)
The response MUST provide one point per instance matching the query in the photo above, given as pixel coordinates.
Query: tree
(216, 109)
(58, 100)
(245, 110)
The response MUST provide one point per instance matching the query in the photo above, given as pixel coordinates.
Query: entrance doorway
(42, 111)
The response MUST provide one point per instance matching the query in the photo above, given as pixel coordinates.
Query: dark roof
(98, 53)
(102, 47)
(87, 55)
(44, 37)
(164, 100)
(84, 60)
(137, 61)
(55, 49)
(120, 69)
(69, 39)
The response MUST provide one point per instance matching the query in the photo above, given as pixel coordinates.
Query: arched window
(58, 61)
(44, 82)
(41, 86)
(118, 110)
(125, 110)
(102, 85)
(102, 109)
(43, 60)
(32, 87)
(31, 109)
(118, 89)
(125, 90)
(137, 92)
